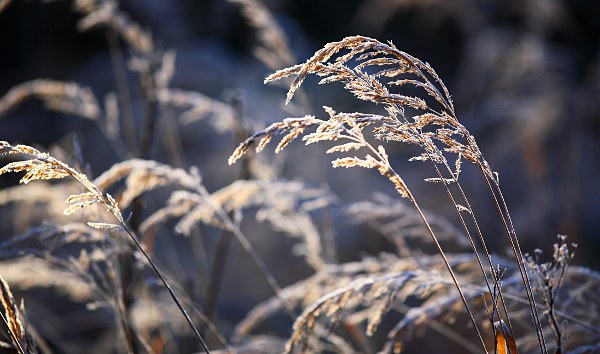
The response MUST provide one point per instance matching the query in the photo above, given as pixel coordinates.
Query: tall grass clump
(41, 166)
(380, 73)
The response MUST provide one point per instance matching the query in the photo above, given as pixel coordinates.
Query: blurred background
(524, 76)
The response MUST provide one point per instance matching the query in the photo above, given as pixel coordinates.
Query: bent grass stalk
(42, 166)
(376, 69)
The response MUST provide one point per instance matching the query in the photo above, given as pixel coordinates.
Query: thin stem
(216, 276)
(436, 242)
(169, 289)
(473, 246)
(493, 272)
(12, 335)
(452, 275)
(552, 317)
(521, 300)
(514, 242)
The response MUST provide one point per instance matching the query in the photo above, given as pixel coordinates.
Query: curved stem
(166, 284)
(436, 242)
(472, 242)
(452, 274)
(516, 248)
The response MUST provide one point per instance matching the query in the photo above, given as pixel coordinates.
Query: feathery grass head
(380, 73)
(42, 166)
(375, 72)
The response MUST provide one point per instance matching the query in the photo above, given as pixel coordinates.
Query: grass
(105, 258)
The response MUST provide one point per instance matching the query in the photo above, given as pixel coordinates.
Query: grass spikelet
(295, 127)
(263, 142)
(352, 162)
(74, 207)
(288, 138)
(105, 226)
(345, 147)
(381, 70)
(11, 314)
(144, 175)
(12, 317)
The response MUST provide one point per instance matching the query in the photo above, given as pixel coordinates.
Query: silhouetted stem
(483, 245)
(452, 275)
(167, 286)
(216, 276)
(514, 242)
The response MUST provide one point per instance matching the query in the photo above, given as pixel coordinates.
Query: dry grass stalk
(42, 166)
(373, 71)
(371, 80)
(549, 277)
(378, 61)
(142, 176)
(13, 319)
(92, 277)
(363, 292)
(576, 305)
(65, 97)
(369, 289)
(197, 204)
